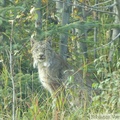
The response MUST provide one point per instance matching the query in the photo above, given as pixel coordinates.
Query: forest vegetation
(84, 32)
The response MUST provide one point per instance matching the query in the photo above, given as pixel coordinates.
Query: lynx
(55, 73)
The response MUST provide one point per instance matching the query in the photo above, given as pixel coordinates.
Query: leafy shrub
(109, 99)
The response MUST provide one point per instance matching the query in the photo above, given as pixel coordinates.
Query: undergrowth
(33, 102)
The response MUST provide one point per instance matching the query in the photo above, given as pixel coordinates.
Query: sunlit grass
(33, 102)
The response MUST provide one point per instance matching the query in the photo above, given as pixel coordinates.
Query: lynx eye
(37, 49)
(43, 50)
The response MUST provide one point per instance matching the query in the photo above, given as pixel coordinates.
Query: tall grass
(35, 103)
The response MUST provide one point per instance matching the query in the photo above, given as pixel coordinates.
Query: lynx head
(42, 52)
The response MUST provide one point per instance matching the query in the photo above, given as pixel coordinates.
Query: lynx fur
(55, 73)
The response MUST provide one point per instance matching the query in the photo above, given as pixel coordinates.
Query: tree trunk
(83, 44)
(63, 9)
(81, 32)
(116, 31)
(95, 32)
(64, 36)
(38, 22)
(59, 7)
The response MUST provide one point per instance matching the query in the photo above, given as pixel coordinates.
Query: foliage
(109, 99)
(32, 101)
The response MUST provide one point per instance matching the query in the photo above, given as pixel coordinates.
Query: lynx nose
(41, 56)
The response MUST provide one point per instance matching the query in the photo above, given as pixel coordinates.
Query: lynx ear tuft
(32, 40)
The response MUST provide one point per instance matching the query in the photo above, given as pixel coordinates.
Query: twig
(93, 8)
(103, 46)
(11, 71)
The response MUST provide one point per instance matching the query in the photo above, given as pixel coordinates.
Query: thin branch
(103, 2)
(11, 71)
(79, 25)
(103, 46)
(93, 8)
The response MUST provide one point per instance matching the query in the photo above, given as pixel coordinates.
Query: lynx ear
(49, 41)
(33, 41)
